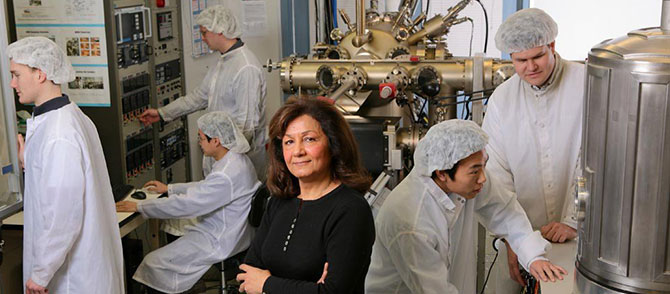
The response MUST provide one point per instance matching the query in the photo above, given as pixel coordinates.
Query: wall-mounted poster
(78, 26)
(199, 46)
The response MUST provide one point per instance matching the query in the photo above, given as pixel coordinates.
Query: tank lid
(649, 44)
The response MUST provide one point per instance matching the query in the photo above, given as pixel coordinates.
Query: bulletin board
(78, 27)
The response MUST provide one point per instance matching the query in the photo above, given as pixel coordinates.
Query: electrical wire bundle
(486, 21)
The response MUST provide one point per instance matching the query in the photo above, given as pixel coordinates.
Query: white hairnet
(446, 144)
(218, 124)
(220, 20)
(526, 29)
(43, 54)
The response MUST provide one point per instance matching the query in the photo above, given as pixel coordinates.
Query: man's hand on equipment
(546, 271)
(156, 186)
(150, 116)
(513, 265)
(558, 232)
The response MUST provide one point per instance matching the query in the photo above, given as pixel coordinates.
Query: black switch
(126, 105)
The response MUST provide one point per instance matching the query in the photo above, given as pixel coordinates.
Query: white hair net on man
(446, 143)
(526, 29)
(43, 54)
(218, 124)
(220, 20)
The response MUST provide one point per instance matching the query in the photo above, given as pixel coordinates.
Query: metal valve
(272, 66)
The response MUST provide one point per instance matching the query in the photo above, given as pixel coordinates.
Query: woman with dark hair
(317, 232)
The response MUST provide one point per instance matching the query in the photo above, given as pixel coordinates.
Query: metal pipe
(345, 18)
(303, 74)
(417, 21)
(665, 16)
(459, 21)
(439, 25)
(360, 17)
(456, 9)
(399, 17)
(346, 86)
(431, 28)
(411, 4)
(362, 37)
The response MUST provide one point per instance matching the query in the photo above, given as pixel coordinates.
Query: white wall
(584, 23)
(265, 47)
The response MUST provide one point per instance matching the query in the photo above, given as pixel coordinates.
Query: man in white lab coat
(71, 239)
(221, 202)
(534, 121)
(426, 228)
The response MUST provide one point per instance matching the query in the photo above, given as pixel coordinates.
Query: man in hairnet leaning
(221, 202)
(534, 121)
(236, 85)
(426, 227)
(69, 217)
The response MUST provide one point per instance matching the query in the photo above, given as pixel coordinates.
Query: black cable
(427, 7)
(328, 23)
(466, 101)
(423, 106)
(463, 112)
(491, 266)
(486, 20)
(465, 94)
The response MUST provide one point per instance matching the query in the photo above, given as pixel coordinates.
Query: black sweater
(337, 228)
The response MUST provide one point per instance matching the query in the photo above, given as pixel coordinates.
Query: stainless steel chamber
(624, 195)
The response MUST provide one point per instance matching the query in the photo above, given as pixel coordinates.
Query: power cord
(491, 266)
(465, 94)
(486, 20)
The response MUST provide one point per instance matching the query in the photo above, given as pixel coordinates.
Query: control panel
(167, 87)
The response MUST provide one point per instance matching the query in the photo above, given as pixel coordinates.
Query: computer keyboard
(121, 191)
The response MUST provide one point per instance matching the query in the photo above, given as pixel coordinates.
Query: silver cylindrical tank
(624, 230)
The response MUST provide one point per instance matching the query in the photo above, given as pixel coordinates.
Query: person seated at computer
(221, 202)
(317, 217)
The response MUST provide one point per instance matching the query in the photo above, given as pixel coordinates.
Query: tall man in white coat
(534, 121)
(71, 239)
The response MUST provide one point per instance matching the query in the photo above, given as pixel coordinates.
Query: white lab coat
(236, 85)
(69, 213)
(426, 239)
(221, 202)
(535, 136)
(534, 142)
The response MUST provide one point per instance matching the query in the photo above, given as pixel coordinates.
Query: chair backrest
(258, 203)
